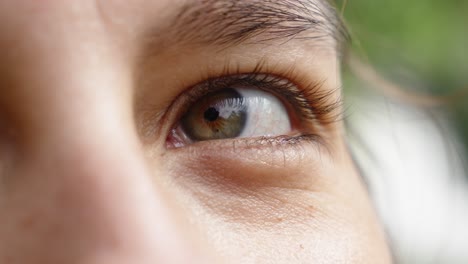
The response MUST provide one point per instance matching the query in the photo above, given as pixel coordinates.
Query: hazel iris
(218, 115)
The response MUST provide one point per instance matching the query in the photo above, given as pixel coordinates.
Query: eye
(232, 113)
(257, 106)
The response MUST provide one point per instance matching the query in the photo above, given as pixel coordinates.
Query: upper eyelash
(310, 102)
(314, 102)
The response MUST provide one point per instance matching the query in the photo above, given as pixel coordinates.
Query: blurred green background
(419, 44)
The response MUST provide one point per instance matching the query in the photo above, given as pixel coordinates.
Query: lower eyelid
(238, 145)
(283, 162)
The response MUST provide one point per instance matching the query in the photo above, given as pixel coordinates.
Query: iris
(218, 115)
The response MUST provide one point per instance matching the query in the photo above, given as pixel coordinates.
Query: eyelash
(312, 107)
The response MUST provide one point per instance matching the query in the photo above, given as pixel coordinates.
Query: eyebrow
(228, 23)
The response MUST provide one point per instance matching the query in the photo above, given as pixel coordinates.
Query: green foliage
(419, 43)
(430, 37)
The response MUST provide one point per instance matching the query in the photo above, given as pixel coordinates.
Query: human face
(114, 147)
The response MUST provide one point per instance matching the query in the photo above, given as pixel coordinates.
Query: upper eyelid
(314, 102)
(319, 104)
(309, 103)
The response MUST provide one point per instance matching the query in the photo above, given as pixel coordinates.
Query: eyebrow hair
(228, 23)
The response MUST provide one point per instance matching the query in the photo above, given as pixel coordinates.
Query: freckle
(28, 223)
(279, 219)
(301, 246)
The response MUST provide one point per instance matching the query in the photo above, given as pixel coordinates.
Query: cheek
(256, 209)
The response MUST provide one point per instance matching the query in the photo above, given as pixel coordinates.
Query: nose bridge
(101, 200)
(85, 180)
(83, 192)
(53, 67)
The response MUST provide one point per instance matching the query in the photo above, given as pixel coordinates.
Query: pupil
(211, 114)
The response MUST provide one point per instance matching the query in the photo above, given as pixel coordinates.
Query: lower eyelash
(282, 140)
(260, 143)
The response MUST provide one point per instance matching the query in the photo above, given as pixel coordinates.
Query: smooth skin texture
(88, 97)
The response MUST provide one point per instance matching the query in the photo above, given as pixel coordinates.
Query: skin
(86, 175)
